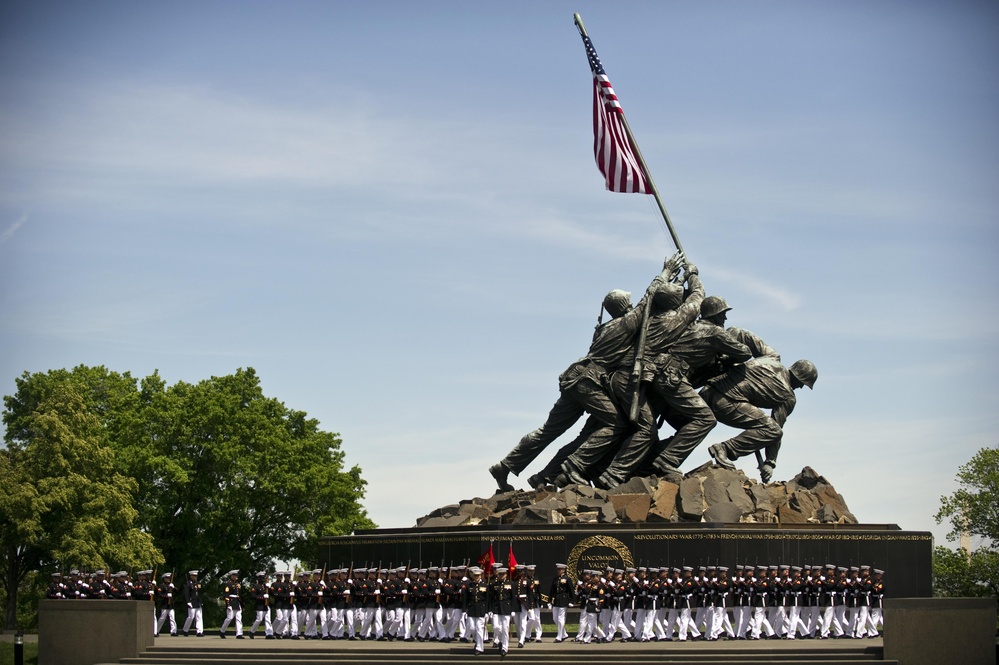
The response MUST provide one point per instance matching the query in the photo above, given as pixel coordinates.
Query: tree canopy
(61, 498)
(215, 474)
(974, 509)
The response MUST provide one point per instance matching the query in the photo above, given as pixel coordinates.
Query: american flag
(615, 157)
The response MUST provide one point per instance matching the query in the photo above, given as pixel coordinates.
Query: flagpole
(636, 371)
(641, 159)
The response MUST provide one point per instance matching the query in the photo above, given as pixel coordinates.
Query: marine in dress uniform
(193, 600)
(862, 590)
(281, 599)
(231, 596)
(502, 601)
(560, 597)
(796, 592)
(164, 601)
(875, 621)
(56, 589)
(475, 600)
(260, 591)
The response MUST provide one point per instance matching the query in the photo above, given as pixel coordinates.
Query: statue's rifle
(671, 271)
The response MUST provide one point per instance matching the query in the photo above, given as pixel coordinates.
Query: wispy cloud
(9, 232)
(782, 297)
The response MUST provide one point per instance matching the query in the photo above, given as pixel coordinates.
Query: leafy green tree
(226, 477)
(963, 574)
(975, 506)
(62, 502)
(230, 478)
(972, 509)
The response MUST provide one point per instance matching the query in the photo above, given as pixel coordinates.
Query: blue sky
(391, 211)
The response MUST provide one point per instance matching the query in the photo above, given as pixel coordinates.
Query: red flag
(612, 149)
(486, 561)
(511, 561)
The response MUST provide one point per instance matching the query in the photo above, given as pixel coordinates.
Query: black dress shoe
(221, 634)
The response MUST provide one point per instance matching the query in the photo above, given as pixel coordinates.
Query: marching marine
(231, 592)
(192, 597)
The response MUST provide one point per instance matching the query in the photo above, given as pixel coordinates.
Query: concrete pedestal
(84, 632)
(930, 631)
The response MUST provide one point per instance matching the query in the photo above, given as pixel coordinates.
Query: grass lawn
(7, 653)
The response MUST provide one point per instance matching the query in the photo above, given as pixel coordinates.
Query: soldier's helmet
(804, 371)
(617, 302)
(668, 296)
(713, 305)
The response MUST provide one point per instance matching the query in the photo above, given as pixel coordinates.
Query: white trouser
(759, 623)
(453, 622)
(647, 623)
(588, 627)
(699, 618)
(840, 618)
(604, 621)
(477, 628)
(280, 620)
(618, 624)
(685, 623)
(194, 615)
(230, 614)
(658, 623)
(795, 624)
(776, 616)
(722, 623)
(814, 622)
(558, 618)
(640, 624)
(501, 628)
(707, 615)
(672, 615)
(262, 616)
(875, 616)
(334, 622)
(829, 621)
(167, 613)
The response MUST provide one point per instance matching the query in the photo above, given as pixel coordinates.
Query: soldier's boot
(499, 472)
(536, 482)
(573, 475)
(607, 481)
(720, 456)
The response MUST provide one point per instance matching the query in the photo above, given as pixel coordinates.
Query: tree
(972, 509)
(963, 574)
(61, 500)
(226, 477)
(230, 478)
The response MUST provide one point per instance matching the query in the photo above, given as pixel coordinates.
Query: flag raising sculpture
(668, 358)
